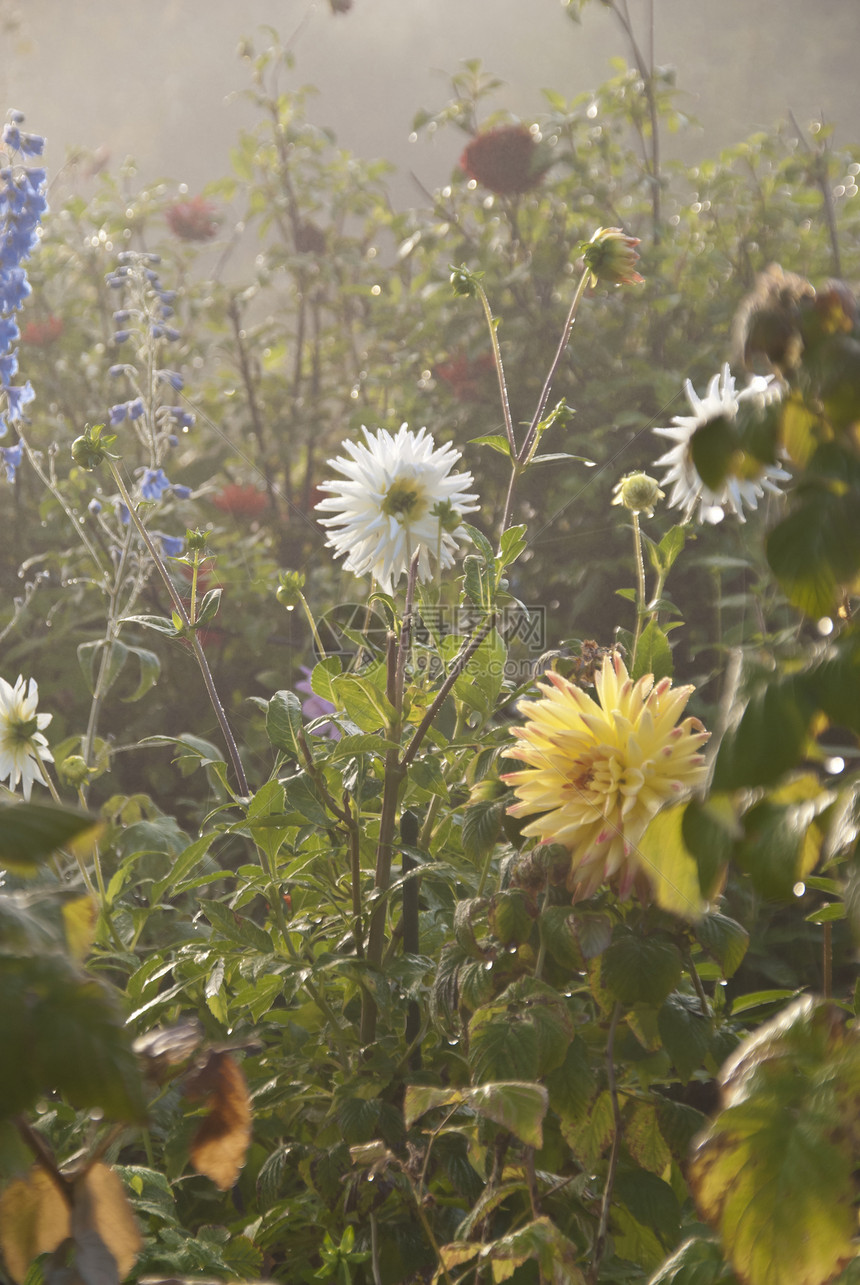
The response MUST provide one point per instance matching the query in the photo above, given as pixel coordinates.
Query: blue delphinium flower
(171, 544)
(11, 456)
(22, 204)
(153, 483)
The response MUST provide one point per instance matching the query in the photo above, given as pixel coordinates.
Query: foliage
(288, 992)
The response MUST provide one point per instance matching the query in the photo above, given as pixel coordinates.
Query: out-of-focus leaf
(220, 1145)
(770, 738)
(775, 1171)
(816, 549)
(80, 916)
(30, 832)
(669, 865)
(696, 1262)
(37, 1216)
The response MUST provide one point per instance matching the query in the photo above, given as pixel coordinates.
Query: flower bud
(90, 449)
(289, 591)
(611, 257)
(73, 771)
(637, 492)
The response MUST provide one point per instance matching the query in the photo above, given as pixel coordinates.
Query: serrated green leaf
(724, 939)
(236, 928)
(653, 654)
(497, 441)
(517, 1107)
(774, 1172)
(640, 970)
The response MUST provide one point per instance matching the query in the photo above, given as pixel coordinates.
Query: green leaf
(713, 446)
(651, 1201)
(364, 702)
(669, 865)
(640, 970)
(31, 832)
(323, 676)
(774, 1174)
(160, 624)
(244, 932)
(497, 441)
(709, 829)
(519, 1108)
(284, 723)
(482, 824)
(65, 1033)
(512, 544)
(696, 1262)
(770, 738)
(572, 1084)
(184, 864)
(686, 1034)
(150, 668)
(527, 1029)
(653, 654)
(644, 1140)
(724, 939)
(87, 653)
(481, 543)
(208, 608)
(816, 549)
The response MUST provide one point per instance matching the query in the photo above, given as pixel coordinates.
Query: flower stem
(520, 461)
(640, 584)
(199, 654)
(500, 370)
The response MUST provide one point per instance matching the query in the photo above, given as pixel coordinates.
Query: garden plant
(430, 704)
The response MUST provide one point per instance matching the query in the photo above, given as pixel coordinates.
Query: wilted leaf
(36, 1217)
(220, 1144)
(775, 1172)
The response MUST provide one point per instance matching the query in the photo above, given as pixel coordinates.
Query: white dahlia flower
(399, 495)
(688, 489)
(22, 746)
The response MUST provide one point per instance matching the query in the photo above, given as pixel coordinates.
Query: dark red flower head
(503, 159)
(241, 501)
(192, 220)
(41, 333)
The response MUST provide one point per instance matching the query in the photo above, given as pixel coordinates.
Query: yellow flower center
(406, 500)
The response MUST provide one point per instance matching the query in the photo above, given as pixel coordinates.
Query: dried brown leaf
(102, 1212)
(35, 1218)
(219, 1147)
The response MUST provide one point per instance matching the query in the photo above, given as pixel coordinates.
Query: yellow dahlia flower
(599, 770)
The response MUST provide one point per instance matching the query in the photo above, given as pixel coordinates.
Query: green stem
(199, 654)
(500, 370)
(640, 584)
(520, 461)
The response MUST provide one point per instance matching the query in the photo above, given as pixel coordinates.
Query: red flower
(503, 159)
(41, 333)
(241, 501)
(465, 376)
(192, 220)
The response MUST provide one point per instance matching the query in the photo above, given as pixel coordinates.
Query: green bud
(195, 541)
(90, 449)
(465, 282)
(73, 771)
(637, 492)
(289, 591)
(611, 257)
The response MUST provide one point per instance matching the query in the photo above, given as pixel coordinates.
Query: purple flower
(94, 506)
(116, 414)
(135, 408)
(182, 492)
(317, 706)
(153, 483)
(121, 336)
(124, 515)
(11, 456)
(171, 377)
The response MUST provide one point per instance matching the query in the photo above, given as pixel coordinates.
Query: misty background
(158, 79)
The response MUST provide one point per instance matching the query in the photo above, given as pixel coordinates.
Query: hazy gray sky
(153, 78)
